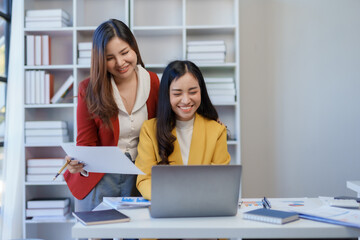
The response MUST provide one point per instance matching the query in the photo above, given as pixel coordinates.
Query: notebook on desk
(195, 191)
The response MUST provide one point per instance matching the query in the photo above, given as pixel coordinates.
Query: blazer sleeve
(146, 158)
(86, 126)
(221, 155)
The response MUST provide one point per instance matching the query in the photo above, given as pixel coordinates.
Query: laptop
(194, 190)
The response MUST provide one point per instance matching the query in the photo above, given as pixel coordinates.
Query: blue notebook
(100, 217)
(270, 216)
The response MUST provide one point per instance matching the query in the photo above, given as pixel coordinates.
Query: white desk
(143, 226)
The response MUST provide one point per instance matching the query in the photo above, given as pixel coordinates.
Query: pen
(62, 168)
(266, 203)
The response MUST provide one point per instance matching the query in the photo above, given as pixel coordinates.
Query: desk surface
(143, 226)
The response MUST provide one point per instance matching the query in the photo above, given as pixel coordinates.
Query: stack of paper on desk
(126, 202)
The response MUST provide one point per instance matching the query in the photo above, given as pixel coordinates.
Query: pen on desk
(266, 203)
(62, 168)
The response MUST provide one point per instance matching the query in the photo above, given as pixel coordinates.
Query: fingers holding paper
(74, 165)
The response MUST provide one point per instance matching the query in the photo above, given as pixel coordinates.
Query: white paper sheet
(102, 159)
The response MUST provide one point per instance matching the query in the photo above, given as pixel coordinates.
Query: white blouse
(130, 124)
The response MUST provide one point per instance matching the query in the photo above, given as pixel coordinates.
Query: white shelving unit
(162, 28)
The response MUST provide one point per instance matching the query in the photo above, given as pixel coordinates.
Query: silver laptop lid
(195, 190)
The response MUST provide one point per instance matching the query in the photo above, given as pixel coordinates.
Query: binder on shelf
(271, 216)
(46, 139)
(84, 45)
(62, 90)
(46, 132)
(49, 87)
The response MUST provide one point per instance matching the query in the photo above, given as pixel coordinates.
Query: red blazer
(91, 132)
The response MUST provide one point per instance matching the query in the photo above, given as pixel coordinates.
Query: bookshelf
(162, 29)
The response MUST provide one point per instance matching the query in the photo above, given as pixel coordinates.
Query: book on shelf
(85, 53)
(211, 86)
(41, 219)
(201, 43)
(32, 87)
(38, 60)
(45, 124)
(48, 12)
(271, 216)
(46, 24)
(62, 90)
(28, 89)
(30, 50)
(219, 80)
(46, 46)
(45, 162)
(215, 99)
(32, 212)
(206, 48)
(230, 92)
(48, 203)
(206, 56)
(49, 87)
(43, 178)
(85, 46)
(42, 170)
(84, 61)
(46, 132)
(46, 139)
(45, 18)
(207, 61)
(101, 217)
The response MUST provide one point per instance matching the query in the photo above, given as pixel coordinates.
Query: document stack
(39, 87)
(48, 209)
(46, 132)
(221, 90)
(44, 169)
(206, 51)
(47, 18)
(38, 50)
(84, 53)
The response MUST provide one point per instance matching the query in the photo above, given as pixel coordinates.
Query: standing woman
(186, 130)
(112, 105)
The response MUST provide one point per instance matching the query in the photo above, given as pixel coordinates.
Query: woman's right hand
(74, 166)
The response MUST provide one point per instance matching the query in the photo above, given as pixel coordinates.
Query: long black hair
(166, 118)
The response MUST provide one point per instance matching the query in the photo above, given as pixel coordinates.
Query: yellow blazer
(208, 146)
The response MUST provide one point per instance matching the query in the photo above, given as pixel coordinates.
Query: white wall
(300, 97)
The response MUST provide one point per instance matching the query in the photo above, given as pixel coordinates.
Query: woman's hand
(74, 166)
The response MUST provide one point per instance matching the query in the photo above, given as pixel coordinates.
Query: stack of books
(47, 18)
(38, 50)
(206, 51)
(221, 90)
(44, 169)
(39, 86)
(46, 132)
(84, 53)
(48, 209)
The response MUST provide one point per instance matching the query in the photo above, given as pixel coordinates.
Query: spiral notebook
(101, 217)
(271, 216)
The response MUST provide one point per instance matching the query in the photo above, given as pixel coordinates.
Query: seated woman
(185, 131)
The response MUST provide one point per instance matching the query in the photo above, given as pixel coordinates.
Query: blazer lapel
(175, 158)
(198, 141)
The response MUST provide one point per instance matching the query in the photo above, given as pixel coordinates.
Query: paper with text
(102, 159)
